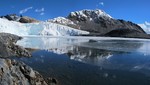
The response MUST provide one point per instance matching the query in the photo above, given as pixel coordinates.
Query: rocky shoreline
(14, 72)
(9, 48)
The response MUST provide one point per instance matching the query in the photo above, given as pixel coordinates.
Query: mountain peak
(89, 14)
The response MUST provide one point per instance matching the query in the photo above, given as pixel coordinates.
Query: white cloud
(42, 13)
(40, 10)
(25, 10)
(101, 3)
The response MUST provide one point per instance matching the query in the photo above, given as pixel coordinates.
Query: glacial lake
(90, 60)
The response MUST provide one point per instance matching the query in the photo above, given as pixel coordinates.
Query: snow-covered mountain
(40, 28)
(74, 18)
(83, 14)
(146, 27)
(96, 22)
(90, 14)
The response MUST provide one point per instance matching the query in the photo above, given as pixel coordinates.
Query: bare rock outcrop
(8, 47)
(17, 73)
(22, 19)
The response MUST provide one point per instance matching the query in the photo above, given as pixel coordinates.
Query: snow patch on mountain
(146, 27)
(74, 18)
(91, 14)
(41, 28)
(61, 20)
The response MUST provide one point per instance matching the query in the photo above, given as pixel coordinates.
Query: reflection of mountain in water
(98, 52)
(90, 55)
(120, 55)
(98, 45)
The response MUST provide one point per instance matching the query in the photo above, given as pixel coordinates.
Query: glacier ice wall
(41, 28)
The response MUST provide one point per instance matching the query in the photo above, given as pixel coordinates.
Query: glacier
(41, 28)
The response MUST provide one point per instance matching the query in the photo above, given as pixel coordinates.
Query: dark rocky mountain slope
(97, 21)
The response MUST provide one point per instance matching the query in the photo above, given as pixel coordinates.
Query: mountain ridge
(97, 22)
(22, 19)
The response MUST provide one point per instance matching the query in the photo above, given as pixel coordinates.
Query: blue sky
(137, 11)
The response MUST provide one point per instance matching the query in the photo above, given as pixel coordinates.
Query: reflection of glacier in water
(70, 59)
(66, 43)
(47, 42)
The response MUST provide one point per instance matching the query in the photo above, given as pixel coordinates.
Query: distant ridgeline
(97, 22)
(22, 19)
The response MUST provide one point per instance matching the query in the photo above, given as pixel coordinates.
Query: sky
(137, 11)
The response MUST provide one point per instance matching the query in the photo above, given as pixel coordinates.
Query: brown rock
(26, 19)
